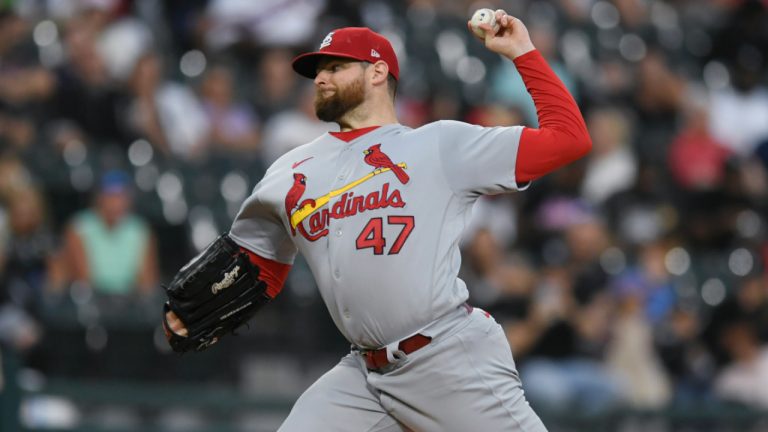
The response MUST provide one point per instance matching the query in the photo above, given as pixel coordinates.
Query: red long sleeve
(562, 136)
(272, 272)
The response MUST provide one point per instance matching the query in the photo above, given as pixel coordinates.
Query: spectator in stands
(643, 213)
(14, 176)
(631, 352)
(611, 167)
(270, 22)
(22, 79)
(16, 132)
(658, 96)
(571, 314)
(748, 302)
(739, 106)
(752, 299)
(277, 88)
(496, 214)
(564, 368)
(491, 269)
(745, 378)
(648, 283)
(744, 102)
(696, 158)
(689, 362)
(32, 266)
(109, 248)
(19, 272)
(167, 113)
(25, 85)
(293, 127)
(85, 94)
(234, 126)
(19, 329)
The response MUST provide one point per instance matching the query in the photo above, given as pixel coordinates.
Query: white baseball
(483, 16)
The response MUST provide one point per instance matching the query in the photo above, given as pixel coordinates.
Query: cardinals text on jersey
(318, 212)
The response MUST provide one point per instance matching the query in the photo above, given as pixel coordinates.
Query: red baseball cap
(359, 43)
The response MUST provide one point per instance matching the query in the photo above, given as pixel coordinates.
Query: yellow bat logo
(304, 212)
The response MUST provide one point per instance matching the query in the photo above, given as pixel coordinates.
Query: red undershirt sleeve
(562, 136)
(273, 273)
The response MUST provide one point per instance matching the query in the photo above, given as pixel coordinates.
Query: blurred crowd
(131, 131)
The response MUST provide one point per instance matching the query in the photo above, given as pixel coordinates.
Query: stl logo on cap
(327, 41)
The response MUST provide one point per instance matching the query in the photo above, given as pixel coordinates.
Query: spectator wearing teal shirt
(109, 247)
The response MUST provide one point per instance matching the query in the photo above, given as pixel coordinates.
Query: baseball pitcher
(377, 210)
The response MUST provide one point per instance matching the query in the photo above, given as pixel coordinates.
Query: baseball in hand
(483, 16)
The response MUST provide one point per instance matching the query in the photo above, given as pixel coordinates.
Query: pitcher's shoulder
(432, 128)
(438, 130)
(441, 126)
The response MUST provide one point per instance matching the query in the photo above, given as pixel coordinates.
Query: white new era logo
(375, 53)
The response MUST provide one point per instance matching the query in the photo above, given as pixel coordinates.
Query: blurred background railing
(631, 284)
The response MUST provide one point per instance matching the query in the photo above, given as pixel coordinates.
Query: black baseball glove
(214, 294)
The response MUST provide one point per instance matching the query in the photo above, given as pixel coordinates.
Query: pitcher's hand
(176, 325)
(512, 40)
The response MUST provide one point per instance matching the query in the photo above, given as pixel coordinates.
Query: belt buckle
(391, 353)
(394, 353)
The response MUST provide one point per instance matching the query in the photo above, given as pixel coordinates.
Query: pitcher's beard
(334, 107)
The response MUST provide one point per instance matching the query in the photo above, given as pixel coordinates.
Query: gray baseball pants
(464, 380)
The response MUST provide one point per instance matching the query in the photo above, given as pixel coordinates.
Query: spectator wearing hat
(107, 246)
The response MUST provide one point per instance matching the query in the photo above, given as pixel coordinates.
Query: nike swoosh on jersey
(295, 164)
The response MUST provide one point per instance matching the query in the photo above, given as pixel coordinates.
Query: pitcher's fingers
(176, 325)
(485, 27)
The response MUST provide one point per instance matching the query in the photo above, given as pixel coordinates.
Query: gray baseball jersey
(379, 218)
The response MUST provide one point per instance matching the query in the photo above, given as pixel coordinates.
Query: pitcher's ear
(380, 72)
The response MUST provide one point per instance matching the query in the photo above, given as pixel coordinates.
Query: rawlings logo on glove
(229, 278)
(213, 295)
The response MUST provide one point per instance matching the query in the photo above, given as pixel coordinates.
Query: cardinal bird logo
(378, 159)
(294, 195)
(292, 203)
